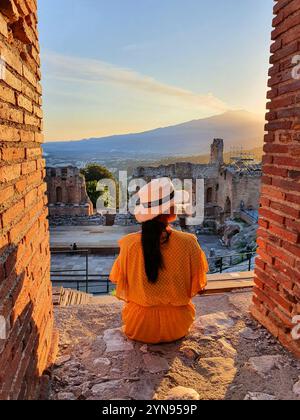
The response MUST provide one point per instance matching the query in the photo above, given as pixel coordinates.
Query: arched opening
(227, 209)
(58, 195)
(209, 195)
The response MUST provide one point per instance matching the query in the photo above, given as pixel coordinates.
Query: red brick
(271, 216)
(6, 194)
(13, 213)
(276, 171)
(281, 254)
(285, 234)
(13, 153)
(25, 103)
(287, 210)
(25, 289)
(9, 173)
(7, 95)
(277, 291)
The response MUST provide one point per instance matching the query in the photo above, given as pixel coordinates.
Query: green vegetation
(94, 173)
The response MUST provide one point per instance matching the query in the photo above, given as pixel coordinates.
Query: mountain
(237, 128)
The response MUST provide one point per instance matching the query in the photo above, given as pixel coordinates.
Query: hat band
(160, 202)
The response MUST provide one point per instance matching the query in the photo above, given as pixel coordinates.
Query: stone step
(227, 282)
(69, 297)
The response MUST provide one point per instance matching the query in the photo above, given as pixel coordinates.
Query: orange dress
(160, 312)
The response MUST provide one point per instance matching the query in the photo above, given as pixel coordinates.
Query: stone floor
(99, 264)
(89, 236)
(108, 237)
(227, 356)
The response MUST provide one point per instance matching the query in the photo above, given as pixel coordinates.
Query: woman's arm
(199, 269)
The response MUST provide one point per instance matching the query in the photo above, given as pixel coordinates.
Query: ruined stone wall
(187, 171)
(181, 170)
(225, 181)
(246, 188)
(277, 292)
(25, 289)
(217, 152)
(67, 193)
(238, 187)
(225, 186)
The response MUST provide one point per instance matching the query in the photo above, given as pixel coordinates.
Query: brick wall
(25, 290)
(277, 292)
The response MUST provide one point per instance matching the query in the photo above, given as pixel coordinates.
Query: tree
(91, 188)
(94, 173)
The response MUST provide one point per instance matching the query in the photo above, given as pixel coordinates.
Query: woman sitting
(159, 270)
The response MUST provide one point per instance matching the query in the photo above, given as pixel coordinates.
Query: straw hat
(158, 197)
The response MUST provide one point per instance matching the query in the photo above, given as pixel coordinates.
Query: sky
(124, 66)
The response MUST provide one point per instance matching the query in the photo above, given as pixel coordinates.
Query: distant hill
(237, 128)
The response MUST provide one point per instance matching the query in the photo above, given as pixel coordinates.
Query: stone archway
(59, 195)
(209, 195)
(227, 208)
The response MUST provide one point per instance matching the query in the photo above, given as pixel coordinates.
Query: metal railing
(81, 279)
(99, 284)
(220, 264)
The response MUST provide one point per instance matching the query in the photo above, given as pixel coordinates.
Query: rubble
(213, 362)
(181, 393)
(264, 364)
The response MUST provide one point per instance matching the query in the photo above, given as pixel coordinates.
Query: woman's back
(159, 270)
(182, 276)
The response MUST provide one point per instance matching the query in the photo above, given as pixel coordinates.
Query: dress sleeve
(199, 269)
(118, 275)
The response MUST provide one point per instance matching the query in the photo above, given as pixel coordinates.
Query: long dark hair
(154, 234)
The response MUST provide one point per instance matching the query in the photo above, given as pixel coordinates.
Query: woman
(159, 269)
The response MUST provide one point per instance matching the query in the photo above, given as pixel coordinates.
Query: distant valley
(184, 142)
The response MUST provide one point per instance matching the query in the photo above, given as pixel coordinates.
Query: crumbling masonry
(27, 343)
(67, 195)
(231, 190)
(277, 291)
(25, 290)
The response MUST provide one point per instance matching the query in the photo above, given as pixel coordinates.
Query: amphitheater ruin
(66, 192)
(231, 190)
(101, 363)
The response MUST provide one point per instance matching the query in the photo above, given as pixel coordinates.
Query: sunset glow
(129, 68)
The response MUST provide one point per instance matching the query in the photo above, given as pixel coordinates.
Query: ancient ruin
(67, 194)
(231, 190)
(227, 356)
(232, 346)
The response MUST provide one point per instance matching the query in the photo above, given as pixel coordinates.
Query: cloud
(95, 71)
(132, 47)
